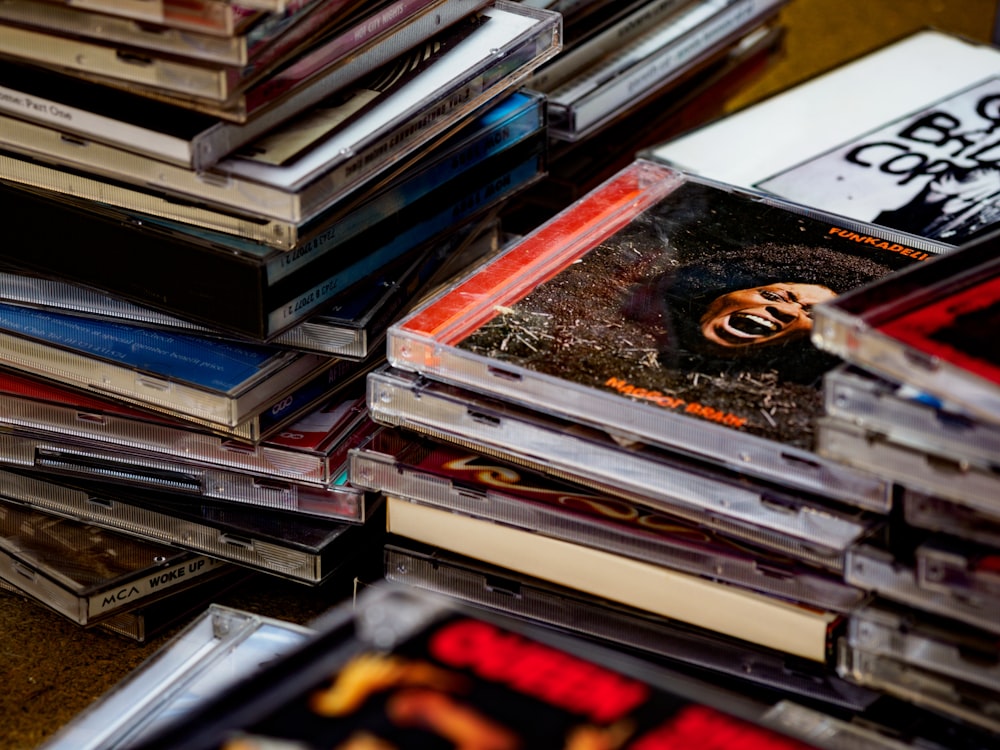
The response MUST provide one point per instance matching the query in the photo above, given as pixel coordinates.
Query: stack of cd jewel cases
(898, 408)
(609, 428)
(917, 403)
(222, 208)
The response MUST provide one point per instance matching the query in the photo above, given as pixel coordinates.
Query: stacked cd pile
(219, 208)
(913, 404)
(609, 428)
(631, 75)
(918, 406)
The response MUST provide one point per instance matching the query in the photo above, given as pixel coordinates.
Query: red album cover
(956, 327)
(465, 682)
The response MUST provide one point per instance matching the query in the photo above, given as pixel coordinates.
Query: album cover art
(934, 172)
(699, 306)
